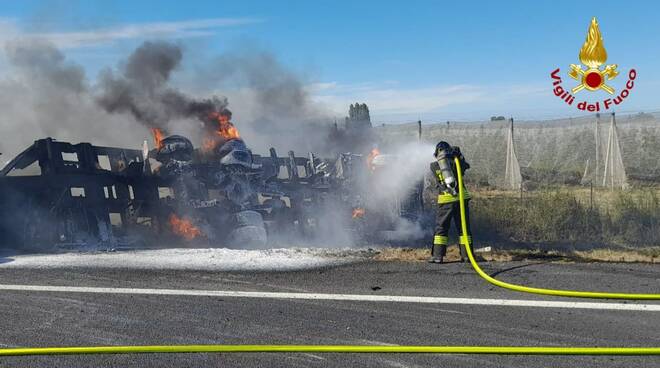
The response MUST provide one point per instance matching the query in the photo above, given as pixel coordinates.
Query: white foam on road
(208, 259)
(337, 297)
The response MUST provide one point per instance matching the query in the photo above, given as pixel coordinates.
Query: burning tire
(249, 231)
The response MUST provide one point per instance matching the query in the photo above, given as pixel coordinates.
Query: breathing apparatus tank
(444, 154)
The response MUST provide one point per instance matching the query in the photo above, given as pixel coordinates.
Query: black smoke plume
(142, 88)
(45, 94)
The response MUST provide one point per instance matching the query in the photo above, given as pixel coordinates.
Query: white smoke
(397, 174)
(45, 95)
(402, 167)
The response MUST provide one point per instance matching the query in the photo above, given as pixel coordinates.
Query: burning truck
(219, 194)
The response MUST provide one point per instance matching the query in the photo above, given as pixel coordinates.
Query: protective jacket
(444, 193)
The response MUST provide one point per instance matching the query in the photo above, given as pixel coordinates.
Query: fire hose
(411, 349)
(527, 289)
(500, 350)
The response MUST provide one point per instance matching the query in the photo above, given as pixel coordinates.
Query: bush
(635, 218)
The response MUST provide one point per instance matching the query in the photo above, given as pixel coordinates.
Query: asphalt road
(29, 318)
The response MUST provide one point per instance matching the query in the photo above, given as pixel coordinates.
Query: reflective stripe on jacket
(445, 197)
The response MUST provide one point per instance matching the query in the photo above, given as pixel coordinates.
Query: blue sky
(433, 60)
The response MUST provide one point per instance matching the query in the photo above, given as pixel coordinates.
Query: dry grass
(602, 197)
(643, 255)
(650, 255)
(413, 254)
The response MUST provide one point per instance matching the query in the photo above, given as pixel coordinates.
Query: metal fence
(564, 151)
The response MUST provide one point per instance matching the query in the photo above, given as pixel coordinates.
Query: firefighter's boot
(437, 253)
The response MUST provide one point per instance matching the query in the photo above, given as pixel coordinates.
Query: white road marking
(337, 297)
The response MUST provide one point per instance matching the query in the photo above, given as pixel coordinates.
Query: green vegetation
(619, 219)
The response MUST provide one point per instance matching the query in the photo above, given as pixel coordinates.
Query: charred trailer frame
(57, 192)
(62, 194)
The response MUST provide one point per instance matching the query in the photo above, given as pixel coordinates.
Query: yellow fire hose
(500, 350)
(527, 289)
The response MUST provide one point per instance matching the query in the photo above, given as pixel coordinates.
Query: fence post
(522, 209)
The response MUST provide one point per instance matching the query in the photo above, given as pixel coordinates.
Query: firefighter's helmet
(441, 146)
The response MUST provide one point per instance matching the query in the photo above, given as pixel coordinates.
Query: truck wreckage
(58, 194)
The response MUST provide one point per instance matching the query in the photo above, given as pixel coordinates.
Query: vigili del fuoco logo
(593, 75)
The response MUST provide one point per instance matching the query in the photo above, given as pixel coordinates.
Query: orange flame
(226, 131)
(158, 137)
(358, 212)
(184, 227)
(370, 159)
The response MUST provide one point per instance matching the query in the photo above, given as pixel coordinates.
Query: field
(568, 218)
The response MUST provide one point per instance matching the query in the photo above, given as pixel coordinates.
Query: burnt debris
(219, 194)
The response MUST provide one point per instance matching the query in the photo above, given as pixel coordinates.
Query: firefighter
(448, 207)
